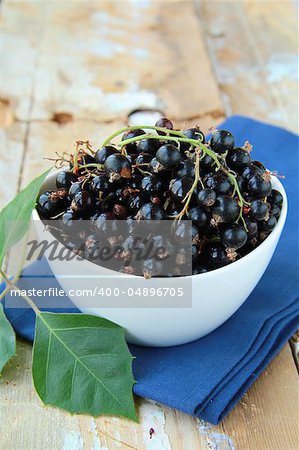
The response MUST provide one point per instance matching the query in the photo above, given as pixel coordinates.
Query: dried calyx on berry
(161, 173)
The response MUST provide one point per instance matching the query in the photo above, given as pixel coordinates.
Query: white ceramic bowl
(216, 295)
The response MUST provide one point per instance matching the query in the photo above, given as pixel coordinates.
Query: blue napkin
(208, 377)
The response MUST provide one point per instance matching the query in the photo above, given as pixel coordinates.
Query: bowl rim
(273, 236)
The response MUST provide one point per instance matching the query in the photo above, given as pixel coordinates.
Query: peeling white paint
(215, 440)
(73, 441)
(280, 66)
(118, 437)
(154, 417)
(96, 438)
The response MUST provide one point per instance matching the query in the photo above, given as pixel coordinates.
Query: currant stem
(137, 127)
(188, 197)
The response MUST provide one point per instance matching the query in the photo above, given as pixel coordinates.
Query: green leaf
(81, 363)
(7, 340)
(14, 218)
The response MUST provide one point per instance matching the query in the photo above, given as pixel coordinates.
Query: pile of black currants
(164, 174)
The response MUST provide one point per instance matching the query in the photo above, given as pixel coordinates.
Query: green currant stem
(137, 127)
(99, 166)
(188, 197)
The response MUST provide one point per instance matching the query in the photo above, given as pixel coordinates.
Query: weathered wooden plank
(101, 63)
(253, 48)
(267, 416)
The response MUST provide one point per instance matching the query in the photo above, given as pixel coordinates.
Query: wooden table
(76, 70)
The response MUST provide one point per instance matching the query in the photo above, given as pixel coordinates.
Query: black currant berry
(275, 198)
(237, 159)
(225, 210)
(143, 158)
(151, 211)
(74, 189)
(206, 197)
(259, 210)
(185, 169)
(216, 256)
(234, 236)
(222, 141)
(151, 268)
(83, 202)
(117, 166)
(198, 216)
(252, 227)
(219, 182)
(65, 179)
(163, 122)
(258, 186)
(169, 156)
(99, 186)
(135, 202)
(268, 225)
(71, 223)
(52, 203)
(151, 186)
(250, 171)
(275, 211)
(179, 188)
(192, 133)
(103, 153)
(148, 146)
(133, 146)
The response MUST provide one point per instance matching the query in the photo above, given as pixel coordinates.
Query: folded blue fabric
(207, 377)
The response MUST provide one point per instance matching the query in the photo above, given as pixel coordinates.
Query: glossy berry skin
(192, 133)
(234, 236)
(151, 186)
(198, 216)
(219, 183)
(151, 211)
(99, 186)
(179, 188)
(74, 189)
(195, 133)
(259, 165)
(275, 211)
(226, 209)
(222, 141)
(252, 228)
(185, 169)
(237, 159)
(51, 203)
(259, 210)
(258, 187)
(216, 256)
(206, 197)
(169, 156)
(65, 179)
(148, 146)
(117, 166)
(71, 223)
(103, 153)
(83, 202)
(133, 146)
(151, 268)
(268, 225)
(275, 198)
(135, 202)
(250, 171)
(163, 122)
(207, 165)
(143, 158)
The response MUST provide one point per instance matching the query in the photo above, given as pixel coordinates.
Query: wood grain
(80, 73)
(255, 60)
